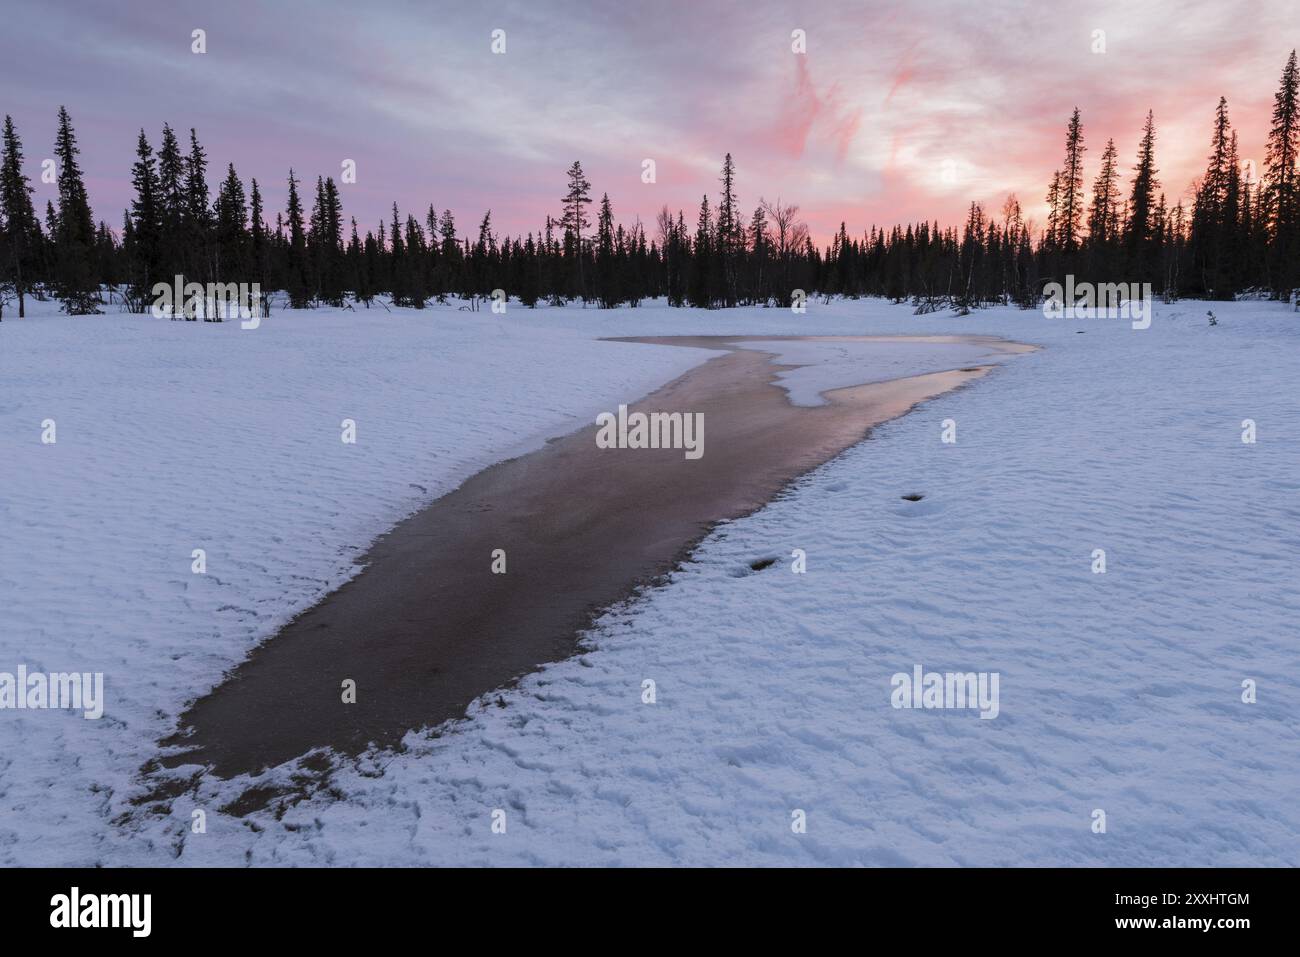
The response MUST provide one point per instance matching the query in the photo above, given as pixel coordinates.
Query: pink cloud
(857, 129)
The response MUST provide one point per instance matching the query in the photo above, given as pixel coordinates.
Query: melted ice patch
(827, 364)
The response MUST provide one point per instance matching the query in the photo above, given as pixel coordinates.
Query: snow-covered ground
(1119, 691)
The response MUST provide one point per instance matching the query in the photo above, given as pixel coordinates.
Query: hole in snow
(758, 564)
(913, 497)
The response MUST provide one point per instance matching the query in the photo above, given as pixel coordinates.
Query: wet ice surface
(834, 364)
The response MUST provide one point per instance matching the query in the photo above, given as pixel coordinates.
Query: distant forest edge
(1241, 234)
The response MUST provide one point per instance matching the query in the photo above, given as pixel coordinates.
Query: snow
(1119, 691)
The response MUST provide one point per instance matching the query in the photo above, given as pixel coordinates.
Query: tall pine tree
(76, 278)
(146, 226)
(574, 221)
(19, 228)
(1280, 200)
(296, 281)
(1140, 232)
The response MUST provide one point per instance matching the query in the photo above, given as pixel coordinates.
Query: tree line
(1238, 233)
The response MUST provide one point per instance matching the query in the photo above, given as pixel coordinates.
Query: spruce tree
(1103, 217)
(1071, 185)
(257, 244)
(18, 224)
(433, 269)
(1232, 239)
(449, 259)
(575, 219)
(232, 241)
(171, 191)
(729, 238)
(605, 255)
(1052, 237)
(481, 265)
(413, 261)
(1280, 201)
(333, 283)
(318, 241)
(198, 215)
(759, 245)
(701, 281)
(146, 223)
(355, 259)
(1140, 232)
(1210, 227)
(397, 268)
(76, 276)
(529, 284)
(296, 280)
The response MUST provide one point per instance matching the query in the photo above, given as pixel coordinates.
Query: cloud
(896, 112)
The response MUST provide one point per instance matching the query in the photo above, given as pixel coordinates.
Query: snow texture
(1119, 691)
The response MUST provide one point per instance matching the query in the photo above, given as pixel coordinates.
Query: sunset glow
(888, 117)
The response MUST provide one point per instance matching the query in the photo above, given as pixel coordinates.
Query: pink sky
(896, 112)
